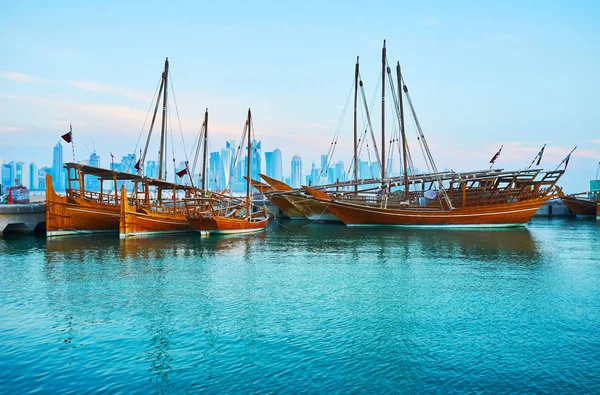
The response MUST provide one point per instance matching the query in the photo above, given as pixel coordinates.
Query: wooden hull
(66, 216)
(311, 208)
(285, 206)
(137, 223)
(280, 201)
(224, 225)
(493, 215)
(580, 207)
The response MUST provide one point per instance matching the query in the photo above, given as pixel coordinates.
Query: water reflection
(515, 244)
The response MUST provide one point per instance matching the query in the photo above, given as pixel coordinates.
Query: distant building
(340, 174)
(296, 175)
(8, 174)
(58, 172)
(214, 172)
(151, 170)
(33, 176)
(255, 155)
(277, 165)
(42, 177)
(314, 175)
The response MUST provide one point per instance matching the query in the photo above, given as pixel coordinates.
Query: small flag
(68, 137)
(496, 155)
(138, 165)
(567, 161)
(540, 154)
(181, 173)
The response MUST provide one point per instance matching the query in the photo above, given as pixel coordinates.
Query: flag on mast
(540, 154)
(496, 155)
(68, 137)
(566, 160)
(182, 173)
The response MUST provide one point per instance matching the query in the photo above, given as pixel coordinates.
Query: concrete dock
(22, 218)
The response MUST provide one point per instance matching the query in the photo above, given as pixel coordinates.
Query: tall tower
(296, 176)
(277, 165)
(58, 173)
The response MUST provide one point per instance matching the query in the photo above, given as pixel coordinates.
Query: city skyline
(479, 77)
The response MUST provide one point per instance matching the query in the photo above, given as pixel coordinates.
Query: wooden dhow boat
(222, 214)
(489, 198)
(583, 204)
(81, 211)
(295, 203)
(159, 215)
(499, 200)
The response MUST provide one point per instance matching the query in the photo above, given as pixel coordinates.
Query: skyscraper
(226, 162)
(277, 165)
(151, 168)
(214, 172)
(8, 174)
(296, 175)
(92, 183)
(33, 176)
(269, 168)
(58, 173)
(340, 174)
(314, 175)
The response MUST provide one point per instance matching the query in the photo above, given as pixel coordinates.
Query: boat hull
(311, 208)
(580, 207)
(224, 225)
(140, 224)
(496, 215)
(286, 207)
(68, 216)
(134, 222)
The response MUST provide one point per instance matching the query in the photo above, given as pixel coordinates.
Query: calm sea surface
(320, 308)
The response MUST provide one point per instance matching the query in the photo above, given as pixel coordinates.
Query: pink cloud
(8, 129)
(19, 77)
(100, 88)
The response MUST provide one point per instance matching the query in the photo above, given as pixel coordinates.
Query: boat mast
(383, 63)
(164, 124)
(248, 167)
(205, 150)
(355, 127)
(404, 145)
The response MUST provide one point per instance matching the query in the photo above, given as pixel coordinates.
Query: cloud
(111, 90)
(595, 141)
(8, 129)
(84, 85)
(19, 77)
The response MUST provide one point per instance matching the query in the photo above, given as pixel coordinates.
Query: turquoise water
(320, 308)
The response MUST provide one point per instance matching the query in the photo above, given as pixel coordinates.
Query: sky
(481, 75)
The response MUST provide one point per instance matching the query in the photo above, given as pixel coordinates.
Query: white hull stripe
(94, 212)
(142, 234)
(163, 221)
(227, 232)
(442, 226)
(54, 233)
(428, 214)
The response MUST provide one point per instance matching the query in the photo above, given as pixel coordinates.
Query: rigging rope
(144, 126)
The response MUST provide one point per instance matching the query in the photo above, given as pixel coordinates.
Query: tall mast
(248, 167)
(205, 150)
(355, 127)
(383, 63)
(404, 143)
(164, 123)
